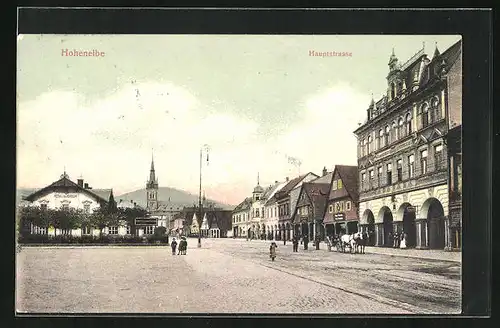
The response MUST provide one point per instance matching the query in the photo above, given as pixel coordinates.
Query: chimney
(286, 178)
(131, 201)
(276, 181)
(86, 185)
(324, 171)
(135, 204)
(80, 183)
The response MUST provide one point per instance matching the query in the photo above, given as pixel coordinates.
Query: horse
(347, 240)
(361, 239)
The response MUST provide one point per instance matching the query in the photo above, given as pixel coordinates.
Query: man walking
(173, 245)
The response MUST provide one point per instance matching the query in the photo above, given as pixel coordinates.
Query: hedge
(105, 239)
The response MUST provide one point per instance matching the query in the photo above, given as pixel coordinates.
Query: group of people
(398, 240)
(182, 246)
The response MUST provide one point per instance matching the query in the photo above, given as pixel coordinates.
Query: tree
(111, 208)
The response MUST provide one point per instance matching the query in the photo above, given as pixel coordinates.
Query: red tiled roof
(349, 176)
(318, 193)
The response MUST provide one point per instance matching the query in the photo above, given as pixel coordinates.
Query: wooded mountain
(177, 197)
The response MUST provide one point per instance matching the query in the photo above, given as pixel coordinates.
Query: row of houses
(408, 173)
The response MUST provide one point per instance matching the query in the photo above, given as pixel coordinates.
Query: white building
(65, 194)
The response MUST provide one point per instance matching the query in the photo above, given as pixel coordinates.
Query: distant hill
(175, 196)
(23, 192)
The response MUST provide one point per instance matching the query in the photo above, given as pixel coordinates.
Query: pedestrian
(284, 241)
(173, 245)
(403, 240)
(317, 242)
(295, 243)
(272, 250)
(167, 240)
(185, 246)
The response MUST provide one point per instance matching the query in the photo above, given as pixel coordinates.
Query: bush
(89, 239)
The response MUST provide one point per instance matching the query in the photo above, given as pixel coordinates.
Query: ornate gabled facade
(310, 209)
(271, 219)
(403, 153)
(341, 214)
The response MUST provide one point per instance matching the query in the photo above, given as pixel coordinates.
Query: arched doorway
(407, 212)
(385, 215)
(434, 212)
(370, 227)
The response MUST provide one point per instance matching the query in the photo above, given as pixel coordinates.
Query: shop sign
(339, 216)
(146, 221)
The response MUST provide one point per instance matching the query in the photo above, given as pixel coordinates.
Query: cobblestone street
(232, 276)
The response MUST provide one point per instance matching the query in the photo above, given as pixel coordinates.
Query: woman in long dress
(403, 241)
(272, 250)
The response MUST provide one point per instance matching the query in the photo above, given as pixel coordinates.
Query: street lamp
(200, 204)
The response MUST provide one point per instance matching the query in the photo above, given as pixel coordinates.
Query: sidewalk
(431, 254)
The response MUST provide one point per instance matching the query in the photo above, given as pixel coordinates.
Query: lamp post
(200, 203)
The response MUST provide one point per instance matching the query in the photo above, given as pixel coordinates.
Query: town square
(322, 177)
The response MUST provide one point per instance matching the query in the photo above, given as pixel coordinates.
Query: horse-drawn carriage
(355, 242)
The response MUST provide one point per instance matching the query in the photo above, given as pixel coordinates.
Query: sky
(255, 100)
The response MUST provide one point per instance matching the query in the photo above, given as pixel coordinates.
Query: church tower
(152, 189)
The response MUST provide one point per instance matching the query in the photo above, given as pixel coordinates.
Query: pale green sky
(267, 84)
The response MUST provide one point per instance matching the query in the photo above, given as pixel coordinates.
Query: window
(425, 115)
(341, 206)
(330, 209)
(411, 166)
(380, 138)
(400, 169)
(306, 210)
(337, 207)
(423, 161)
(113, 230)
(386, 137)
(438, 157)
(435, 108)
(363, 142)
(86, 208)
(369, 144)
(408, 124)
(86, 230)
(400, 128)
(394, 131)
(379, 175)
(363, 178)
(348, 206)
(334, 185)
(393, 91)
(149, 230)
(339, 186)
(370, 173)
